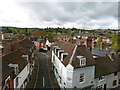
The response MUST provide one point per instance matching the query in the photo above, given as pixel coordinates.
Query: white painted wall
(114, 78)
(106, 80)
(62, 71)
(22, 76)
(69, 75)
(88, 76)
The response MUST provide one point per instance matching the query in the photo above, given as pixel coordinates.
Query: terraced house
(75, 67)
(17, 65)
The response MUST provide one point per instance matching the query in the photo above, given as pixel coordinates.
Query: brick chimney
(88, 42)
(101, 45)
(93, 45)
(80, 42)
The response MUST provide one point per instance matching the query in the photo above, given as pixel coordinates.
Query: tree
(116, 42)
(22, 32)
(114, 38)
(42, 34)
(99, 41)
(38, 33)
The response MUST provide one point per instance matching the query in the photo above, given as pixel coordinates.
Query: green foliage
(116, 41)
(99, 41)
(106, 44)
(63, 33)
(114, 38)
(72, 34)
(22, 32)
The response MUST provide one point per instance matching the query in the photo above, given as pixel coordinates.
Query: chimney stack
(101, 45)
(88, 42)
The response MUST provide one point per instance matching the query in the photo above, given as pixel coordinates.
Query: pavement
(43, 76)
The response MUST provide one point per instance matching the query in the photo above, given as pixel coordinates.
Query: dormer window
(63, 55)
(15, 67)
(81, 60)
(25, 57)
(60, 52)
(54, 47)
(57, 49)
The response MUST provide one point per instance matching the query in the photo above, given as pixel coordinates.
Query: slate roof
(98, 52)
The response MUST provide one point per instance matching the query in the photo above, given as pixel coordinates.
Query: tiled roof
(6, 71)
(51, 40)
(83, 51)
(26, 43)
(68, 48)
(105, 66)
(14, 57)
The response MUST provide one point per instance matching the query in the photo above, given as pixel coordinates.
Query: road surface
(43, 77)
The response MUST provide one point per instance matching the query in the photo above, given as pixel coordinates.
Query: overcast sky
(59, 14)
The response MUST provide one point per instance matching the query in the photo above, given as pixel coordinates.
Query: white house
(22, 78)
(49, 42)
(18, 72)
(75, 67)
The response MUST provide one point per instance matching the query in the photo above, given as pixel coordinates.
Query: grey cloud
(64, 12)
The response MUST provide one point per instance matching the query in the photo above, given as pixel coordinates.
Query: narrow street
(43, 79)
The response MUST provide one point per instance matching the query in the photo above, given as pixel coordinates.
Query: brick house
(41, 43)
(7, 36)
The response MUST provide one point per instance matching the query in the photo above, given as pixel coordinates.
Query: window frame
(101, 78)
(82, 61)
(115, 82)
(115, 73)
(83, 77)
(17, 82)
(118, 81)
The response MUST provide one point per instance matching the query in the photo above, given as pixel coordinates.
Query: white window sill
(81, 82)
(101, 80)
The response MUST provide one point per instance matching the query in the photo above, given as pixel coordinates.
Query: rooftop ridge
(73, 54)
(11, 52)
